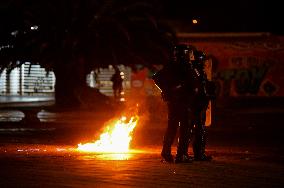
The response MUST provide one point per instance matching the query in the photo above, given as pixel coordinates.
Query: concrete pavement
(33, 165)
(247, 150)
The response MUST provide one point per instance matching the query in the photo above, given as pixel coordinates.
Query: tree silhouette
(73, 37)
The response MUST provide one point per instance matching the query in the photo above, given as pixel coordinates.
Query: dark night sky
(228, 16)
(216, 15)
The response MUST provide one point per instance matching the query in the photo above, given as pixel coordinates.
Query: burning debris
(115, 138)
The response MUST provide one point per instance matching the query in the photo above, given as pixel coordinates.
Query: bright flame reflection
(115, 139)
(115, 156)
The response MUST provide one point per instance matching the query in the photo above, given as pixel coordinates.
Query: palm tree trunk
(70, 80)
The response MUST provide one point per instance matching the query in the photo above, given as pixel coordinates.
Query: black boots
(166, 151)
(199, 143)
(203, 158)
(167, 156)
(185, 158)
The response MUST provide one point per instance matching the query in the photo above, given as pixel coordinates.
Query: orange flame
(115, 139)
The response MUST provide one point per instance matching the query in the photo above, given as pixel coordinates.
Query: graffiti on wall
(244, 76)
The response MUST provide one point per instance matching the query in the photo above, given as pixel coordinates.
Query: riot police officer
(181, 87)
(206, 93)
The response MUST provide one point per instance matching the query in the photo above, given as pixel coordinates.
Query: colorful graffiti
(244, 76)
(246, 66)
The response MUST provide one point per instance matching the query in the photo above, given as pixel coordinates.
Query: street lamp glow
(194, 21)
(15, 33)
(35, 27)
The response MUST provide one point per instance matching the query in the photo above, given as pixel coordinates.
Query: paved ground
(248, 152)
(61, 166)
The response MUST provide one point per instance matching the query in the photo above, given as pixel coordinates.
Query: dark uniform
(177, 84)
(206, 93)
(116, 83)
(182, 90)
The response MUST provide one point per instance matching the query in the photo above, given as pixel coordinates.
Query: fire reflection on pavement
(35, 150)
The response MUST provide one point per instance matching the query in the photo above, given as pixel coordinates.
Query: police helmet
(181, 51)
(199, 55)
